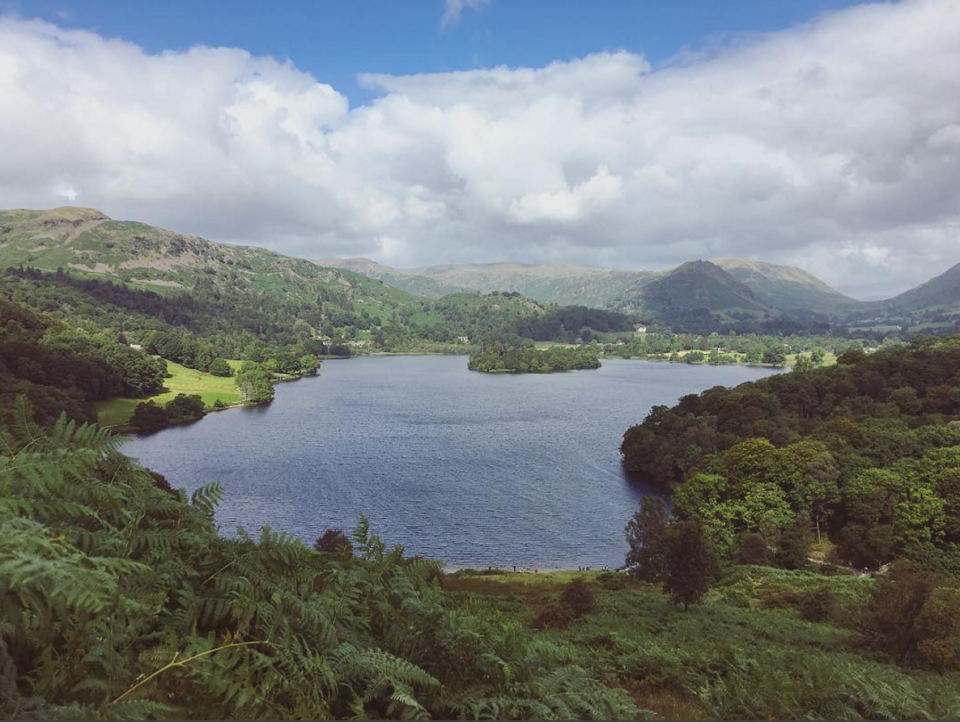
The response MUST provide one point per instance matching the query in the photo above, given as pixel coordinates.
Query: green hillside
(939, 293)
(86, 242)
(786, 288)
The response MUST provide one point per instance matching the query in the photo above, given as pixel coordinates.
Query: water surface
(475, 469)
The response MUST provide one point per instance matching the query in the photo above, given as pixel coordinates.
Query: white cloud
(834, 145)
(453, 9)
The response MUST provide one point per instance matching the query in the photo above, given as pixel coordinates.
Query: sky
(623, 133)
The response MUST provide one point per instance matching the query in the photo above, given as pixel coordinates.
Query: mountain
(940, 293)
(696, 286)
(87, 243)
(786, 288)
(775, 287)
(561, 284)
(411, 281)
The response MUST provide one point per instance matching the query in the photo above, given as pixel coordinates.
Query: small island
(500, 358)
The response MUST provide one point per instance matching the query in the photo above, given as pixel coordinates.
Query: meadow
(117, 411)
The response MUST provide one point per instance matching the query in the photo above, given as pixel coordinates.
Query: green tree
(254, 382)
(690, 563)
(646, 556)
(148, 416)
(219, 367)
(794, 548)
(309, 364)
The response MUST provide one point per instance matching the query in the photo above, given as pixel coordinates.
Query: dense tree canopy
(529, 359)
(867, 452)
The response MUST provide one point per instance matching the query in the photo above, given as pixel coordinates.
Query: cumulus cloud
(453, 9)
(834, 145)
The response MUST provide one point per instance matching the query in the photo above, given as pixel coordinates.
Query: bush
(819, 605)
(577, 596)
(147, 416)
(554, 616)
(754, 550)
(779, 596)
(219, 367)
(185, 407)
(333, 540)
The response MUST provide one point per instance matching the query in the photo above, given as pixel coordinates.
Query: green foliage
(914, 616)
(528, 359)
(850, 452)
(646, 555)
(119, 599)
(150, 416)
(690, 563)
(219, 367)
(254, 382)
(734, 657)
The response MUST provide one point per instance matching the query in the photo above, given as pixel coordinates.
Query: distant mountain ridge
(698, 294)
(562, 284)
(772, 288)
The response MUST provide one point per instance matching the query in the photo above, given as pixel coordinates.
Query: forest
(865, 453)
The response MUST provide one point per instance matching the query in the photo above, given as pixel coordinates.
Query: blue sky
(817, 133)
(334, 41)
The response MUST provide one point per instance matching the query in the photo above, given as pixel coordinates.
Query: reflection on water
(475, 469)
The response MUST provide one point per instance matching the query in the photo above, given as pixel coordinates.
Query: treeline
(63, 369)
(120, 600)
(866, 453)
(529, 359)
(209, 321)
(731, 348)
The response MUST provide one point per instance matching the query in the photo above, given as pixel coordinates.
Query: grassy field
(745, 653)
(182, 381)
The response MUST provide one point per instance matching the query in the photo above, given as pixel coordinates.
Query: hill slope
(86, 242)
(941, 292)
(786, 288)
(781, 288)
(697, 286)
(561, 284)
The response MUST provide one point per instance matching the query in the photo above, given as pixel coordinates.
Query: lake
(472, 468)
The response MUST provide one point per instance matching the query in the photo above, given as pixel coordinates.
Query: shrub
(577, 596)
(819, 605)
(754, 550)
(185, 407)
(554, 616)
(219, 367)
(333, 540)
(147, 416)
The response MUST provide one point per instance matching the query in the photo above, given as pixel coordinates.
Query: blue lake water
(475, 469)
